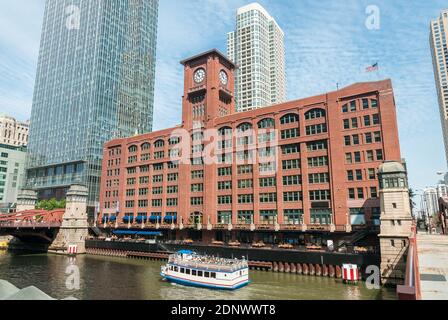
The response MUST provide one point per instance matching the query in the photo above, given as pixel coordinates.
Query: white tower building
(257, 48)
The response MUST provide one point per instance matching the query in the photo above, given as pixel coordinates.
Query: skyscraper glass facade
(95, 81)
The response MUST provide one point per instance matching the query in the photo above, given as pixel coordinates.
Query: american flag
(372, 68)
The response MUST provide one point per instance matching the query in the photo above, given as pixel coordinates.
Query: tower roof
(391, 167)
(207, 53)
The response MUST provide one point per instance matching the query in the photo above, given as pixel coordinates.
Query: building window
(354, 123)
(360, 193)
(292, 180)
(227, 171)
(245, 216)
(245, 169)
(348, 158)
(366, 121)
(320, 195)
(317, 145)
(196, 201)
(290, 148)
(318, 178)
(266, 123)
(359, 175)
(368, 137)
(293, 216)
(320, 216)
(224, 217)
(267, 182)
(292, 196)
(365, 103)
(351, 193)
(376, 119)
(224, 199)
(315, 114)
(347, 141)
(245, 198)
(372, 175)
(268, 197)
(379, 155)
(350, 175)
(353, 105)
(197, 187)
(355, 139)
(289, 133)
(289, 118)
(357, 156)
(291, 164)
(346, 123)
(318, 161)
(373, 192)
(268, 216)
(316, 129)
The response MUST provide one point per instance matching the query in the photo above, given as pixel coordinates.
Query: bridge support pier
(74, 228)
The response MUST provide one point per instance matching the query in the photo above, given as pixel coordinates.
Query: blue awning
(112, 218)
(142, 218)
(155, 218)
(128, 218)
(185, 252)
(149, 233)
(170, 218)
(125, 232)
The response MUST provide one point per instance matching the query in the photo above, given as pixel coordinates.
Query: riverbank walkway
(433, 266)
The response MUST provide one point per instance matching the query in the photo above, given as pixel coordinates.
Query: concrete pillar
(74, 229)
(26, 200)
(299, 268)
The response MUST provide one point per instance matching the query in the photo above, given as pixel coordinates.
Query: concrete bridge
(53, 231)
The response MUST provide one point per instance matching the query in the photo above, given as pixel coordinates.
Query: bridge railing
(29, 224)
(411, 289)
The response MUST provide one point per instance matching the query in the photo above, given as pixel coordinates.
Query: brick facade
(317, 137)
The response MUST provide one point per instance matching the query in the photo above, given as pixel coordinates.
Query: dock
(433, 266)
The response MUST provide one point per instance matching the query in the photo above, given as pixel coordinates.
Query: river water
(124, 279)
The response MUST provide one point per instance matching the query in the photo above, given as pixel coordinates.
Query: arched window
(145, 146)
(266, 123)
(159, 144)
(225, 131)
(314, 114)
(244, 127)
(289, 118)
(174, 140)
(133, 149)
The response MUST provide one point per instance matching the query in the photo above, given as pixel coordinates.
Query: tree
(51, 204)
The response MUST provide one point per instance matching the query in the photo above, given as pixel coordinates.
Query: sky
(326, 43)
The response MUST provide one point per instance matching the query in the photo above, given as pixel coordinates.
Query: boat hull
(207, 285)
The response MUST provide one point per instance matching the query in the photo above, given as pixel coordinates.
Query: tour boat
(188, 268)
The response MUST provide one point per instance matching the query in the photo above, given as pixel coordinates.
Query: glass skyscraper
(95, 81)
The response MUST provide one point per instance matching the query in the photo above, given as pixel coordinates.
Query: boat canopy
(185, 252)
(138, 233)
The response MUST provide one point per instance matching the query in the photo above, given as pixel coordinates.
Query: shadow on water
(123, 279)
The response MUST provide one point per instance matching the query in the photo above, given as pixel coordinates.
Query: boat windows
(182, 270)
(187, 271)
(213, 275)
(207, 274)
(175, 269)
(199, 273)
(193, 272)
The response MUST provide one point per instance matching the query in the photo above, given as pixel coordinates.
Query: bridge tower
(396, 222)
(74, 227)
(26, 200)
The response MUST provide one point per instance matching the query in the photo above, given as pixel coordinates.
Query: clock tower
(208, 89)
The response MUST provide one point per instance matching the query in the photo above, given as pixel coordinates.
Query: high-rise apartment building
(13, 132)
(95, 81)
(439, 50)
(257, 48)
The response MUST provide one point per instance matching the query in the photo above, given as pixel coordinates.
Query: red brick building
(299, 167)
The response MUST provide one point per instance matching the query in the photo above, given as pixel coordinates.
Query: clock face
(223, 77)
(199, 75)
